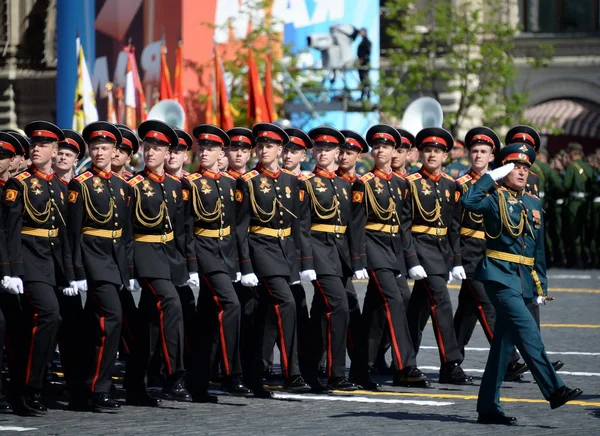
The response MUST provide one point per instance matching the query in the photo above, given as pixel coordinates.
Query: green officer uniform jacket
(578, 179)
(457, 168)
(514, 236)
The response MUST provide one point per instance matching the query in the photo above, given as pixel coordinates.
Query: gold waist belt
(508, 257)
(275, 233)
(210, 233)
(110, 234)
(160, 239)
(385, 228)
(328, 228)
(435, 231)
(479, 234)
(42, 233)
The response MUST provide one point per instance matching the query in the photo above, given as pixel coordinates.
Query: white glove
(71, 290)
(134, 286)
(458, 273)
(194, 279)
(361, 274)
(15, 285)
(539, 301)
(449, 278)
(249, 280)
(309, 275)
(238, 277)
(499, 173)
(417, 272)
(5, 281)
(81, 285)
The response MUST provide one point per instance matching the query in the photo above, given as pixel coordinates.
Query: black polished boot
(234, 385)
(175, 389)
(142, 399)
(453, 374)
(563, 395)
(296, 384)
(342, 384)
(101, 402)
(411, 377)
(498, 418)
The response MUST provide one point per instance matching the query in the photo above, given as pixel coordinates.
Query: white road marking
(570, 276)
(565, 353)
(468, 370)
(13, 428)
(360, 399)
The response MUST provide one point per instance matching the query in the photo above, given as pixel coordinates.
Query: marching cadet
(238, 154)
(413, 159)
(99, 228)
(127, 148)
(159, 264)
(401, 154)
(70, 151)
(178, 154)
(328, 197)
(459, 163)
(433, 195)
(473, 302)
(513, 273)
(381, 207)
(268, 211)
(212, 250)
(294, 152)
(40, 260)
(351, 152)
(19, 162)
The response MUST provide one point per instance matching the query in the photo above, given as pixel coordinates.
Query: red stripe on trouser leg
(388, 315)
(102, 341)
(221, 328)
(328, 316)
(436, 324)
(162, 329)
(33, 332)
(485, 325)
(284, 357)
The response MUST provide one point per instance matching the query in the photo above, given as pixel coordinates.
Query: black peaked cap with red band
(157, 132)
(383, 134)
(131, 142)
(268, 132)
(102, 130)
(74, 142)
(9, 144)
(325, 136)
(44, 131)
(523, 135)
(298, 139)
(207, 134)
(482, 136)
(23, 141)
(408, 139)
(354, 141)
(184, 140)
(435, 137)
(241, 137)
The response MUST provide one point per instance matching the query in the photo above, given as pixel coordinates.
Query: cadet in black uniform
(434, 195)
(40, 258)
(127, 148)
(159, 263)
(330, 205)
(100, 237)
(269, 203)
(212, 250)
(381, 208)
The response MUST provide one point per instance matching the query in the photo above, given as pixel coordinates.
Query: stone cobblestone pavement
(571, 331)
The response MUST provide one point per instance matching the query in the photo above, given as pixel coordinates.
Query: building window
(560, 16)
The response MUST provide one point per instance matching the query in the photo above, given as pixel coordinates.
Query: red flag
(225, 121)
(178, 75)
(140, 97)
(271, 115)
(130, 94)
(111, 112)
(165, 91)
(257, 110)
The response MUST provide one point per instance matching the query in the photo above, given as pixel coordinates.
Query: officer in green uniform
(593, 227)
(514, 274)
(579, 178)
(554, 213)
(458, 163)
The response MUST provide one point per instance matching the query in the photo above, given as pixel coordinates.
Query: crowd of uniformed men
(246, 237)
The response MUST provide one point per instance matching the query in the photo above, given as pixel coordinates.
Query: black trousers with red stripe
(276, 312)
(430, 298)
(105, 317)
(354, 321)
(159, 318)
(247, 296)
(384, 311)
(130, 311)
(329, 318)
(474, 305)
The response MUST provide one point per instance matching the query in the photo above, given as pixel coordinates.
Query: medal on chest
(265, 186)
(320, 185)
(36, 187)
(378, 185)
(147, 188)
(97, 185)
(205, 187)
(425, 187)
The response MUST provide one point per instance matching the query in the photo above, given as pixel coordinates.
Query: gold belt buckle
(521, 260)
(52, 233)
(438, 231)
(221, 232)
(115, 234)
(280, 233)
(336, 229)
(163, 239)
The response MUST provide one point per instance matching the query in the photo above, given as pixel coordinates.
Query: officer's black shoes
(22, 407)
(411, 377)
(453, 374)
(204, 397)
(262, 392)
(317, 387)
(34, 402)
(234, 386)
(342, 384)
(101, 402)
(142, 399)
(270, 375)
(365, 381)
(514, 371)
(496, 418)
(176, 390)
(296, 384)
(558, 365)
(563, 395)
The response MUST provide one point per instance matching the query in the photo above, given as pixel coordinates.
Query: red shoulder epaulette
(193, 177)
(22, 176)
(464, 179)
(118, 175)
(249, 175)
(226, 174)
(304, 177)
(137, 179)
(414, 176)
(447, 177)
(366, 177)
(173, 177)
(283, 170)
(83, 177)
